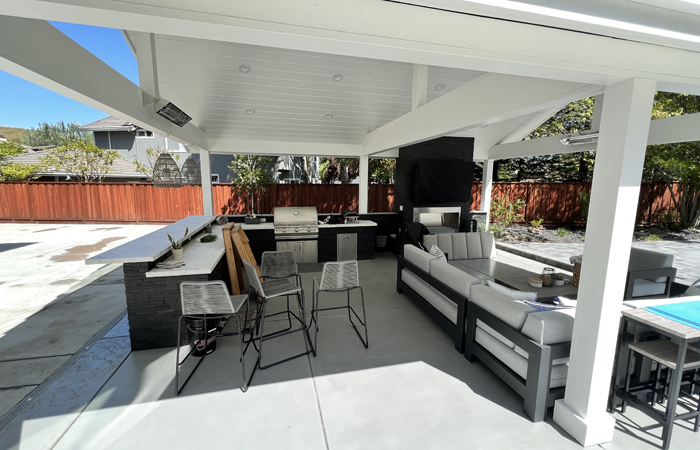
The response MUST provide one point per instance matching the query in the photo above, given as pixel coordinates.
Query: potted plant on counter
(176, 246)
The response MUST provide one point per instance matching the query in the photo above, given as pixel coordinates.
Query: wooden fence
(556, 203)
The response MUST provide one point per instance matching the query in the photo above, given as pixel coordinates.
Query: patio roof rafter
(661, 131)
(38, 52)
(393, 32)
(499, 97)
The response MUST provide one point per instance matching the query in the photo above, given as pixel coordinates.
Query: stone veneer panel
(153, 304)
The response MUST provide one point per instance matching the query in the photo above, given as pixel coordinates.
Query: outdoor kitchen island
(262, 239)
(153, 294)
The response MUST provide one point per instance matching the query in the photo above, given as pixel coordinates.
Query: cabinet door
(347, 247)
(287, 246)
(307, 251)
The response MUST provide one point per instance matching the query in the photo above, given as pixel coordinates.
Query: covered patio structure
(363, 79)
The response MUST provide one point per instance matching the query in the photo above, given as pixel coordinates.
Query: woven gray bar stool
(207, 301)
(338, 277)
(265, 291)
(276, 265)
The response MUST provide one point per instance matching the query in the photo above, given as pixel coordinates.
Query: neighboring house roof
(110, 123)
(120, 168)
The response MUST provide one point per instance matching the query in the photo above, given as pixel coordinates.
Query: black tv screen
(443, 181)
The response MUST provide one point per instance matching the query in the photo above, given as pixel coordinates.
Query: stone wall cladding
(153, 304)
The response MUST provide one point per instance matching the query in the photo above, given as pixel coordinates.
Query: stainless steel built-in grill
(296, 223)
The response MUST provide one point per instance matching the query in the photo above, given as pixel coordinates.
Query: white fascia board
(487, 99)
(278, 148)
(39, 53)
(388, 31)
(536, 147)
(675, 129)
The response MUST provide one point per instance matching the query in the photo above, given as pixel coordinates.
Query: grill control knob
(284, 230)
(309, 230)
(296, 230)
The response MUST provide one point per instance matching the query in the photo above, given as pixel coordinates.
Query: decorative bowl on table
(535, 282)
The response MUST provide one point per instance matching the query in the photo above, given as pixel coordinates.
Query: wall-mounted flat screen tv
(442, 181)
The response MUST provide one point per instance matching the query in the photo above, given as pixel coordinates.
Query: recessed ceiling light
(439, 87)
(245, 68)
(328, 116)
(250, 111)
(338, 76)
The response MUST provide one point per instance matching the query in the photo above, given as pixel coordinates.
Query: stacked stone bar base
(153, 304)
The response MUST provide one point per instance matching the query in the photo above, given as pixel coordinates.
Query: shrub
(668, 217)
(584, 197)
(651, 238)
(537, 222)
(498, 231)
(506, 212)
(562, 232)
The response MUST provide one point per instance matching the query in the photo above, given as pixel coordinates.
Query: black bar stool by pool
(664, 353)
(341, 276)
(267, 290)
(207, 301)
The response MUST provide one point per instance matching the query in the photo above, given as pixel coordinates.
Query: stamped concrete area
(52, 304)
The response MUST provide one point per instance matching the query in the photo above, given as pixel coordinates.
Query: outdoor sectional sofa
(527, 349)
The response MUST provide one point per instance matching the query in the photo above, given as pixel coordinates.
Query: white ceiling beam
(499, 97)
(536, 147)
(419, 95)
(144, 45)
(38, 52)
(390, 31)
(661, 131)
(675, 129)
(277, 148)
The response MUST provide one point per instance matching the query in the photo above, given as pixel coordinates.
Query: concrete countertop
(153, 245)
(271, 225)
(200, 257)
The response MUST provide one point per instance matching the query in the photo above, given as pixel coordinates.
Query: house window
(215, 178)
(144, 134)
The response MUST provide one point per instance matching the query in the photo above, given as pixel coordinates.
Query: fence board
(556, 203)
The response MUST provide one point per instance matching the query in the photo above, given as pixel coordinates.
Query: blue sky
(26, 104)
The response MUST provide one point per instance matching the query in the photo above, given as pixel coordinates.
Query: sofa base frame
(455, 330)
(534, 390)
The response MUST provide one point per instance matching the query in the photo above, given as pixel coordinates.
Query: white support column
(207, 197)
(615, 192)
(420, 86)
(486, 187)
(364, 184)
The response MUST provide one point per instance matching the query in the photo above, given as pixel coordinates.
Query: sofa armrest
(669, 273)
(535, 389)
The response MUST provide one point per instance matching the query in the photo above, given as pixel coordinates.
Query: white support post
(615, 192)
(207, 197)
(364, 184)
(486, 187)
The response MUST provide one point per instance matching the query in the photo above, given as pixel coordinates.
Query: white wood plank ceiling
(252, 92)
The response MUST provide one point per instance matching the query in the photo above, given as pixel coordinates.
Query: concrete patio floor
(410, 389)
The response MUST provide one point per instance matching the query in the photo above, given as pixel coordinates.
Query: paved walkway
(686, 254)
(53, 305)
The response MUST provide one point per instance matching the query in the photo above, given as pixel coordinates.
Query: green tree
(82, 160)
(58, 134)
(347, 169)
(677, 163)
(10, 171)
(251, 176)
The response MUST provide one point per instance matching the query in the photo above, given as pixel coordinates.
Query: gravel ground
(567, 235)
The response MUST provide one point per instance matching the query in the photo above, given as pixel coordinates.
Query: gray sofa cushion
(549, 327)
(418, 257)
(463, 245)
(443, 304)
(454, 278)
(641, 259)
(512, 293)
(508, 310)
